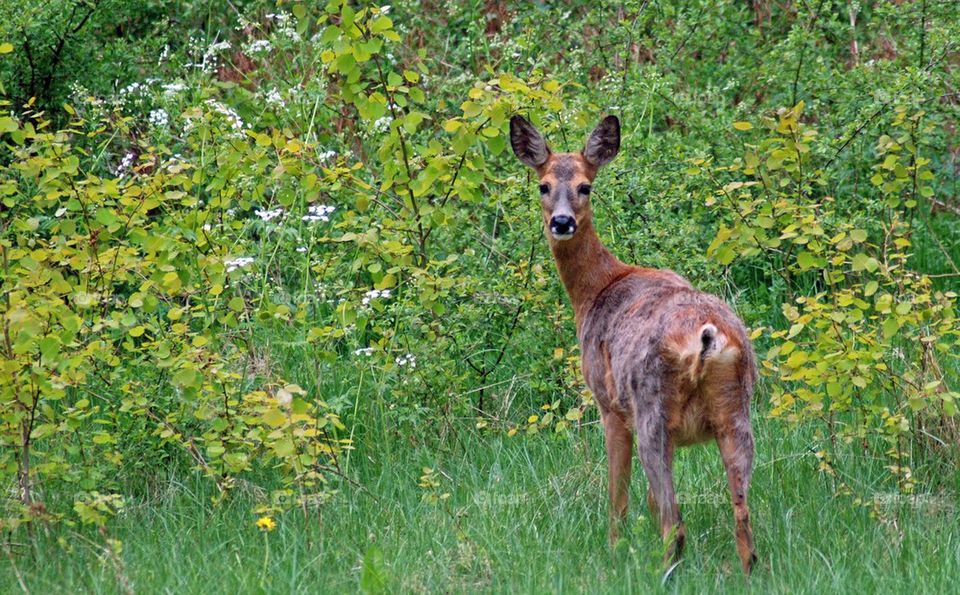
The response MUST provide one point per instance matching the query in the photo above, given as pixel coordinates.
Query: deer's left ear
(604, 142)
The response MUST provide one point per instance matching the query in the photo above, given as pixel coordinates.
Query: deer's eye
(584, 189)
(544, 189)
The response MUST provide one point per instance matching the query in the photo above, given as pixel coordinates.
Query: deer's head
(565, 178)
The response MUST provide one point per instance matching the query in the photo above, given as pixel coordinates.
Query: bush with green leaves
(870, 342)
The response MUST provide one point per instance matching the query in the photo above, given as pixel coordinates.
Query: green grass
(525, 514)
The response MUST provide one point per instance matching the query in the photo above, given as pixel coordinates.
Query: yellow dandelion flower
(266, 523)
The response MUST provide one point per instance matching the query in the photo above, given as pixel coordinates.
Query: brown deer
(666, 363)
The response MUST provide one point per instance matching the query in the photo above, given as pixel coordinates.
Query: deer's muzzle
(562, 227)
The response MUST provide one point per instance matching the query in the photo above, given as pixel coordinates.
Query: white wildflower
(232, 117)
(268, 215)
(259, 46)
(133, 89)
(363, 351)
(238, 263)
(407, 360)
(125, 163)
(218, 47)
(274, 98)
(385, 9)
(382, 124)
(208, 59)
(326, 155)
(285, 25)
(318, 213)
(375, 294)
(159, 118)
(171, 89)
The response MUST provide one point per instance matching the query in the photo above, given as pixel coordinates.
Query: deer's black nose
(563, 225)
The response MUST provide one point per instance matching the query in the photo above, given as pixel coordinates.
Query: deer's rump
(651, 340)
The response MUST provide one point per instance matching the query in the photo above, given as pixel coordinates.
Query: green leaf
(274, 418)
(380, 24)
(863, 262)
(890, 327)
(806, 260)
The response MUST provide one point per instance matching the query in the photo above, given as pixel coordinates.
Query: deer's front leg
(619, 443)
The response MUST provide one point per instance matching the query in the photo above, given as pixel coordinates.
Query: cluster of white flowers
(375, 294)
(133, 89)
(268, 215)
(319, 213)
(327, 155)
(218, 47)
(135, 93)
(385, 9)
(80, 94)
(258, 46)
(159, 118)
(238, 263)
(301, 249)
(285, 25)
(171, 89)
(274, 98)
(407, 360)
(208, 57)
(125, 163)
(232, 117)
(382, 124)
(363, 351)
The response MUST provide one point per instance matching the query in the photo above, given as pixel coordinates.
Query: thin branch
(803, 51)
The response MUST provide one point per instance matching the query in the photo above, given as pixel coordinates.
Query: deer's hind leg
(655, 450)
(736, 448)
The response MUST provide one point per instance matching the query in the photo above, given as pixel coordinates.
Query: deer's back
(642, 333)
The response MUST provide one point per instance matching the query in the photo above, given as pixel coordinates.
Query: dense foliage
(256, 239)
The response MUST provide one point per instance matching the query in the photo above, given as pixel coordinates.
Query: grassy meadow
(277, 312)
(522, 515)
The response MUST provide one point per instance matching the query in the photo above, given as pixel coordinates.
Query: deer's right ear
(528, 145)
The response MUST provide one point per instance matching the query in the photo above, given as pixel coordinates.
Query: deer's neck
(586, 267)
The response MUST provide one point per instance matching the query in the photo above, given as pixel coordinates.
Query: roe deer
(665, 362)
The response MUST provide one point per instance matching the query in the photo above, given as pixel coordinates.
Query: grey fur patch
(564, 168)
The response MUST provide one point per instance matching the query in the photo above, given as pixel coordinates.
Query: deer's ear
(528, 144)
(604, 142)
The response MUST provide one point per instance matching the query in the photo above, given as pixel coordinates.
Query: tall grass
(524, 514)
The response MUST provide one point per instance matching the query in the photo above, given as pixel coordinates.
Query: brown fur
(669, 365)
